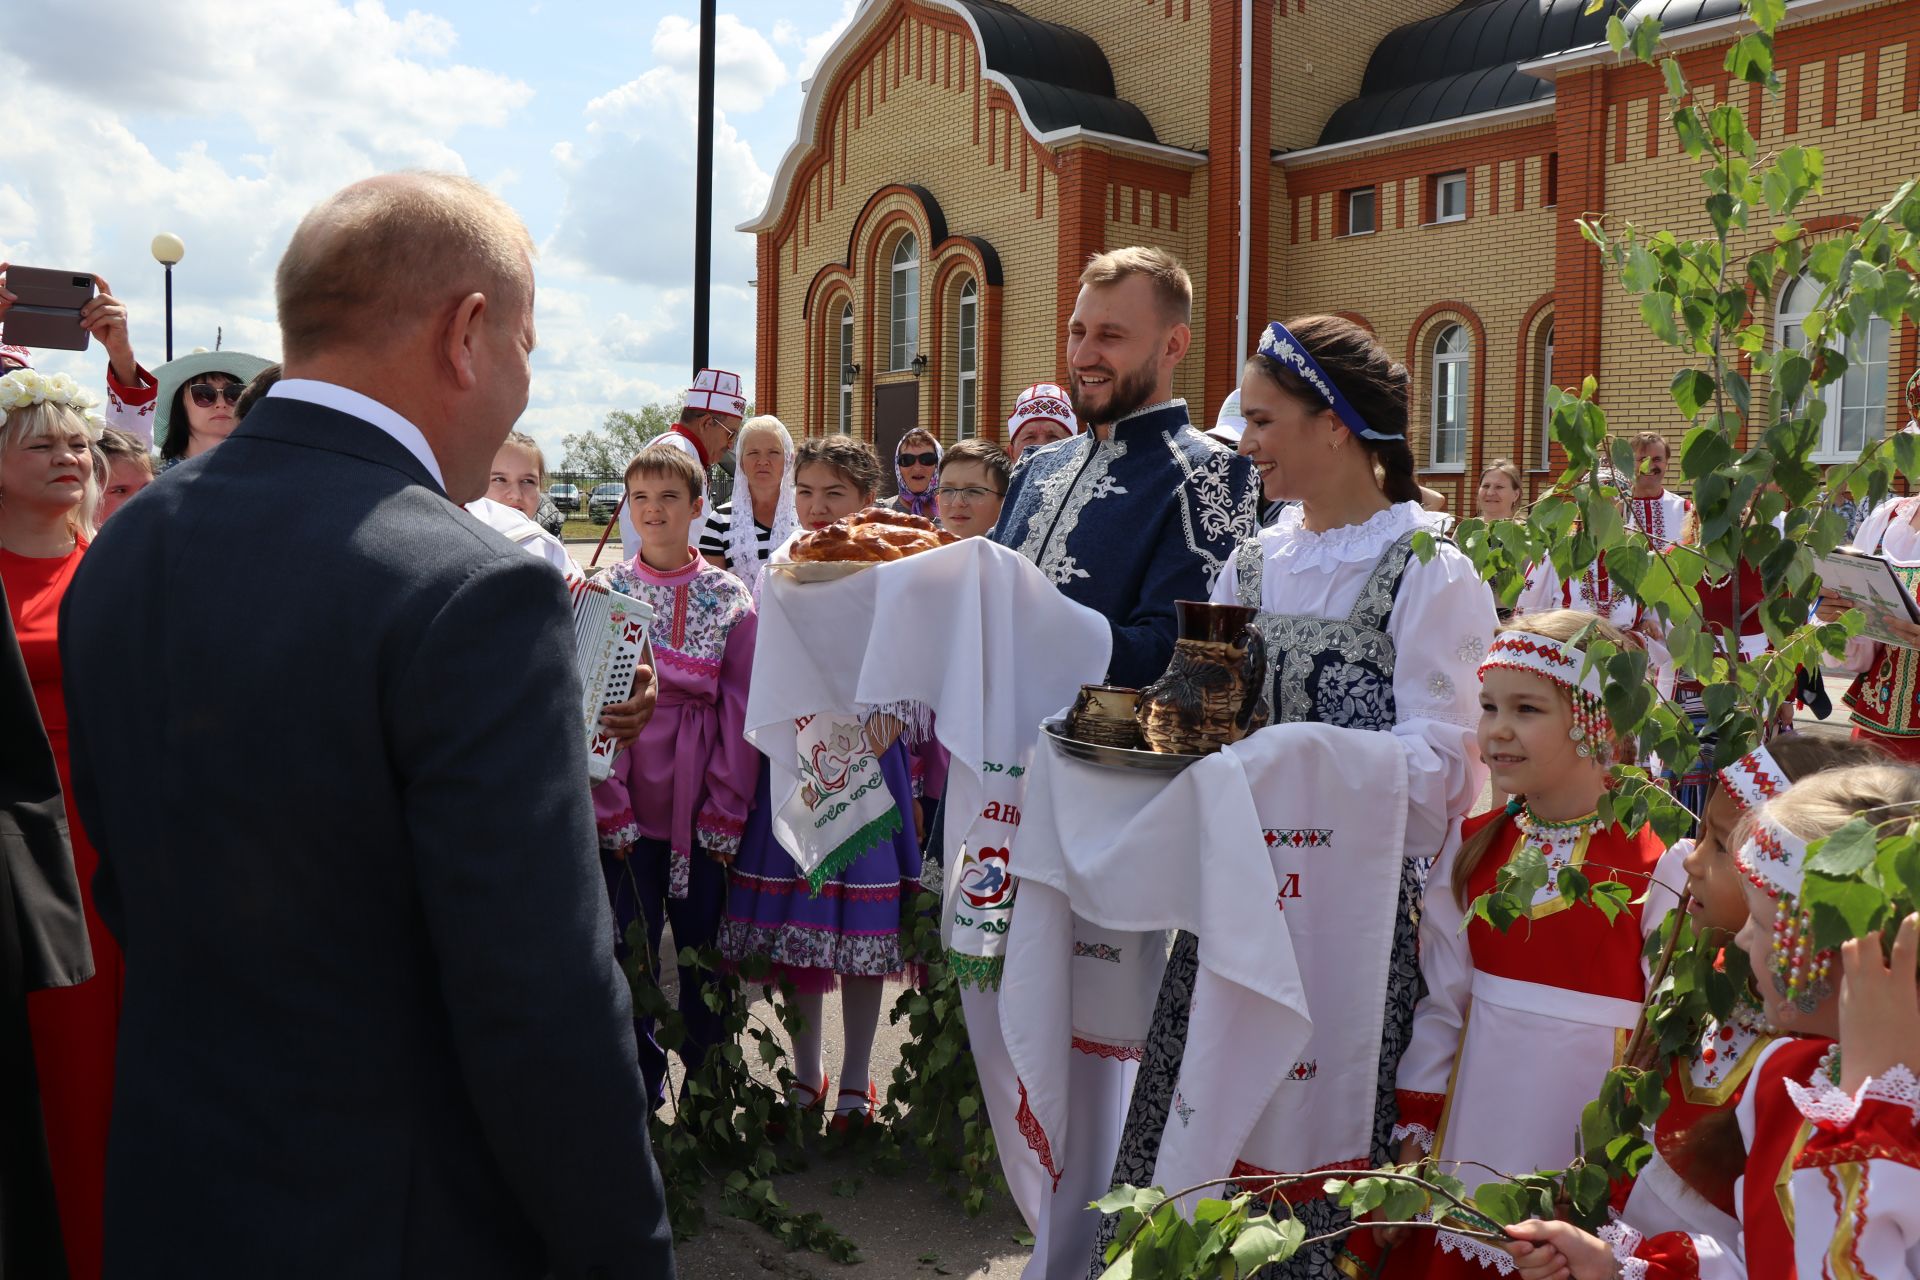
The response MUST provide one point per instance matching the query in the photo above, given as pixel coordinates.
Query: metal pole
(169, 311)
(1244, 322)
(703, 191)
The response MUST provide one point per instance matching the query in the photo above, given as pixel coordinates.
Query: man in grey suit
(373, 1024)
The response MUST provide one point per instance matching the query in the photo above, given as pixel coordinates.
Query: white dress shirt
(333, 396)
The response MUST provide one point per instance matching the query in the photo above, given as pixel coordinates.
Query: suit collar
(301, 422)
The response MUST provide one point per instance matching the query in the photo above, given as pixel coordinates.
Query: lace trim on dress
(1831, 1107)
(1478, 1251)
(1625, 1242)
(1291, 541)
(1419, 1132)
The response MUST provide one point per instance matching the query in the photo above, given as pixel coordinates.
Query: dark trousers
(637, 886)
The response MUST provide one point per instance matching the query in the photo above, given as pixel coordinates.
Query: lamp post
(167, 250)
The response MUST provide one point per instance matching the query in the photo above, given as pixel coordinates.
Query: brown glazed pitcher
(1210, 695)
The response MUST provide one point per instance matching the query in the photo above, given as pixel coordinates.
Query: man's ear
(460, 339)
(1179, 340)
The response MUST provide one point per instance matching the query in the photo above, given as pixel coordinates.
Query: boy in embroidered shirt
(672, 812)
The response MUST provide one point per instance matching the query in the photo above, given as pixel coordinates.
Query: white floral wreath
(23, 388)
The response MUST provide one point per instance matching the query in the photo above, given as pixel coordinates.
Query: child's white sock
(860, 1016)
(807, 1066)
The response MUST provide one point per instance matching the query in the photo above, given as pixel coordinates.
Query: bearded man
(1142, 509)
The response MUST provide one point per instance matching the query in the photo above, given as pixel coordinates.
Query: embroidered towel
(1104, 853)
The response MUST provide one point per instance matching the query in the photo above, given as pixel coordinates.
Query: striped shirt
(719, 523)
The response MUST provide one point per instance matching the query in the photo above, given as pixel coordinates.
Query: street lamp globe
(168, 248)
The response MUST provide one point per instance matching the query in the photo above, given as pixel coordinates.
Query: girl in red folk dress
(1688, 1185)
(1518, 1029)
(1804, 1146)
(1884, 698)
(47, 496)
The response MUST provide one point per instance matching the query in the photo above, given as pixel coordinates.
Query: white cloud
(745, 67)
(816, 45)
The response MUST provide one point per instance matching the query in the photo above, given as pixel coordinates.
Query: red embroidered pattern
(1036, 1136)
(1858, 1153)
(1117, 1052)
(1293, 1192)
(1754, 779)
(1046, 407)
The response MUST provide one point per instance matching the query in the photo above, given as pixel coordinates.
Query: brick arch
(1529, 405)
(961, 258)
(823, 383)
(1420, 366)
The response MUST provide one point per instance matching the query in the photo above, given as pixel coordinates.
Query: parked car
(565, 496)
(604, 499)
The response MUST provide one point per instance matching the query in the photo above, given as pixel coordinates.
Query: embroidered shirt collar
(671, 578)
(1142, 420)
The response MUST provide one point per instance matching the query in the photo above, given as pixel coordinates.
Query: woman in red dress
(46, 499)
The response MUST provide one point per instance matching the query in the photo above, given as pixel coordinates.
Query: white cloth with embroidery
(949, 630)
(1110, 862)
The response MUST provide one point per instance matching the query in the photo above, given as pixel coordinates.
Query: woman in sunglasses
(916, 461)
(198, 401)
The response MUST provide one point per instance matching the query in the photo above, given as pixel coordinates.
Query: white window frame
(1449, 388)
(903, 315)
(1440, 184)
(845, 414)
(1866, 378)
(967, 350)
(1546, 398)
(1372, 195)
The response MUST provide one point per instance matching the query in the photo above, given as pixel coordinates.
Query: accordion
(609, 643)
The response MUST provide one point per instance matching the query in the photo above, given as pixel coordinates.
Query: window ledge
(1445, 469)
(1353, 235)
(1444, 222)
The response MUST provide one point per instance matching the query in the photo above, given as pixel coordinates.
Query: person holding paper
(1884, 698)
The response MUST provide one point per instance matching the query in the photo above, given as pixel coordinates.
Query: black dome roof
(1466, 60)
(1061, 75)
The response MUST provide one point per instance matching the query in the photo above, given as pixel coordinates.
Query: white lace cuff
(1830, 1106)
(1419, 1132)
(1478, 1251)
(1625, 1242)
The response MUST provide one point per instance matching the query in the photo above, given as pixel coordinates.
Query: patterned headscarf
(919, 504)
(743, 555)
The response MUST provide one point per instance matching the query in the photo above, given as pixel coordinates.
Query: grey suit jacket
(373, 1023)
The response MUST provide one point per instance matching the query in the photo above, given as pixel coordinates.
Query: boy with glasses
(972, 484)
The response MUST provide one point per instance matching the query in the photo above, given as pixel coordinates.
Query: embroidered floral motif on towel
(1300, 837)
(1097, 951)
(1101, 1049)
(1029, 1125)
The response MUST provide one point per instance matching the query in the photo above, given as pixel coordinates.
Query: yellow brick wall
(1189, 244)
(1497, 265)
(1865, 161)
(924, 133)
(1320, 54)
(1159, 55)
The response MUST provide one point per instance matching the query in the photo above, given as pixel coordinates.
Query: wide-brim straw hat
(176, 374)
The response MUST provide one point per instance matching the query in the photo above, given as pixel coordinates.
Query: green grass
(578, 527)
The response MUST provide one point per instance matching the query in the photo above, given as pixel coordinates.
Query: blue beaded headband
(1283, 349)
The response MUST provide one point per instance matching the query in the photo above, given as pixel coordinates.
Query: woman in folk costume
(742, 532)
(1688, 1185)
(1518, 1029)
(841, 926)
(1361, 634)
(1885, 695)
(1823, 1147)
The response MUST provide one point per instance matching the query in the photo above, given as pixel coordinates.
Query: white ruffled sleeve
(1442, 623)
(1446, 965)
(1542, 591)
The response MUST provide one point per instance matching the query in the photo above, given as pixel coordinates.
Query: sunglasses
(205, 394)
(919, 459)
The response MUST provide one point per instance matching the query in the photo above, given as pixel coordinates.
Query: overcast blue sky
(224, 120)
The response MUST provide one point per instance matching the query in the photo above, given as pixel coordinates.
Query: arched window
(1856, 405)
(1452, 350)
(1546, 397)
(967, 384)
(905, 311)
(843, 371)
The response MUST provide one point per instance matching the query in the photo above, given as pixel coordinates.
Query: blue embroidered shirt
(1130, 524)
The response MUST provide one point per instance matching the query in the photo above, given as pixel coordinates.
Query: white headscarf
(743, 552)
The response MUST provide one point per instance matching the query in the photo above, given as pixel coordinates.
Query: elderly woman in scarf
(916, 467)
(742, 532)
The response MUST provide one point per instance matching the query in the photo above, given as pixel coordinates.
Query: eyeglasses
(970, 494)
(205, 393)
(919, 459)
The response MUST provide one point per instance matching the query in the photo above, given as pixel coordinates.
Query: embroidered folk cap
(1561, 664)
(1754, 779)
(717, 391)
(1042, 402)
(20, 357)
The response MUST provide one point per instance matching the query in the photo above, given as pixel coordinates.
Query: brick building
(1418, 165)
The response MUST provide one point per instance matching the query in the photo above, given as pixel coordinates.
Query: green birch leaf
(1847, 852)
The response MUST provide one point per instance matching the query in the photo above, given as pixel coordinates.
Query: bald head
(387, 255)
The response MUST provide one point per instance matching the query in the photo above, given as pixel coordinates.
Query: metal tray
(1163, 762)
(821, 570)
